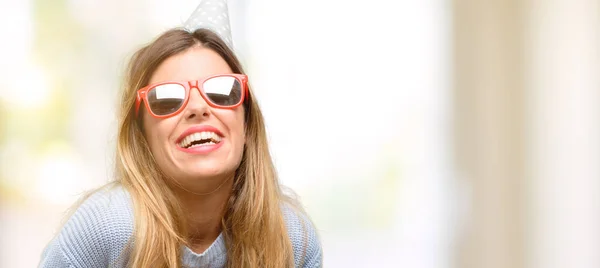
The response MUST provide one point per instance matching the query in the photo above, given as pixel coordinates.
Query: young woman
(195, 185)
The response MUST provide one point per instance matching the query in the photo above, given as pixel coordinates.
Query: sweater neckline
(215, 253)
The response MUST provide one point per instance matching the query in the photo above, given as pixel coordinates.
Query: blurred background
(429, 134)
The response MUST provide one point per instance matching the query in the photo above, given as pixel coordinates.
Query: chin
(211, 172)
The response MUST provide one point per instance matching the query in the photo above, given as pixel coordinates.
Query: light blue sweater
(97, 235)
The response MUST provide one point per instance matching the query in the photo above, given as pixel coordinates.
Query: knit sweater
(99, 231)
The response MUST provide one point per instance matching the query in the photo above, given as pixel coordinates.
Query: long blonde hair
(253, 225)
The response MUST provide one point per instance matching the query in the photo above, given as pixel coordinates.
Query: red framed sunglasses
(166, 99)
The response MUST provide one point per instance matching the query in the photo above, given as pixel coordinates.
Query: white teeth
(204, 135)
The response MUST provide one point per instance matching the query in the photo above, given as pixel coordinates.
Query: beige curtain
(527, 132)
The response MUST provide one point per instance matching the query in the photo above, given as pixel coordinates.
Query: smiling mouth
(197, 139)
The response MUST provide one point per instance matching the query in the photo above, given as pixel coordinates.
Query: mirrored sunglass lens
(166, 99)
(223, 90)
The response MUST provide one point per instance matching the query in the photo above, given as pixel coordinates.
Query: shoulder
(304, 237)
(97, 233)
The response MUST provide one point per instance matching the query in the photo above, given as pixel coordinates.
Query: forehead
(192, 64)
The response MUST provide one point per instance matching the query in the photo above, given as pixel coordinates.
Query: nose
(196, 106)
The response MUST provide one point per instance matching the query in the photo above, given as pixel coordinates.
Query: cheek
(149, 127)
(241, 132)
(234, 122)
(241, 125)
(155, 132)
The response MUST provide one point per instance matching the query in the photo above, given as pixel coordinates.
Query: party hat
(212, 15)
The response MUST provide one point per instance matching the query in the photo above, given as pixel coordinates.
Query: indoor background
(428, 134)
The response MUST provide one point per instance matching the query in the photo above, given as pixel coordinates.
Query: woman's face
(191, 167)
